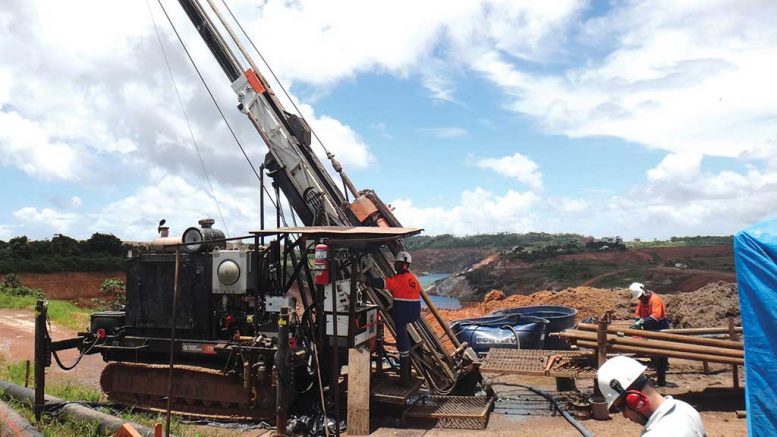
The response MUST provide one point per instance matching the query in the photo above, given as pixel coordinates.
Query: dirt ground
(17, 332)
(712, 395)
(705, 307)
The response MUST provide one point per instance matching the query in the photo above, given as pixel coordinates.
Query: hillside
(664, 269)
(704, 307)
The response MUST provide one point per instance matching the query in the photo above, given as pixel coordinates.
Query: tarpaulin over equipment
(755, 253)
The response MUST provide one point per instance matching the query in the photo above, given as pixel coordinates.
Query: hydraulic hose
(515, 333)
(572, 421)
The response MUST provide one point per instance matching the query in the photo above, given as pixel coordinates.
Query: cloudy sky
(636, 118)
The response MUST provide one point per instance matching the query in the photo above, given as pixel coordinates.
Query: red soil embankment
(80, 287)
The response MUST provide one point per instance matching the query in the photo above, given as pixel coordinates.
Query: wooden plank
(358, 391)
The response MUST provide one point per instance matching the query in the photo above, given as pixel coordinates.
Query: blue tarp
(755, 253)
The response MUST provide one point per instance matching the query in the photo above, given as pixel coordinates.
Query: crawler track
(197, 391)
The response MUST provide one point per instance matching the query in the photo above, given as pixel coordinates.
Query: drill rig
(226, 314)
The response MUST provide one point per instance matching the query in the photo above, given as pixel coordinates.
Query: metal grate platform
(520, 401)
(456, 412)
(537, 362)
(385, 389)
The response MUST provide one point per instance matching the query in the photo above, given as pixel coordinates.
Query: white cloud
(6, 233)
(28, 146)
(478, 211)
(340, 40)
(676, 166)
(169, 197)
(444, 132)
(73, 202)
(516, 167)
(683, 77)
(5, 85)
(569, 206)
(690, 78)
(46, 221)
(339, 139)
(683, 198)
(111, 113)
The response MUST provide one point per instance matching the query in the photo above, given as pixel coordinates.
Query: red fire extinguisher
(321, 265)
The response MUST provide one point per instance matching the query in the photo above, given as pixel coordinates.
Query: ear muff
(637, 401)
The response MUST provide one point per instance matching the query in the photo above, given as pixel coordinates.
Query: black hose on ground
(572, 421)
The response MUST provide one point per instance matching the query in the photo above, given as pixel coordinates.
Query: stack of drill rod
(658, 344)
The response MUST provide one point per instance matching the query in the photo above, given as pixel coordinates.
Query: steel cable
(218, 107)
(186, 118)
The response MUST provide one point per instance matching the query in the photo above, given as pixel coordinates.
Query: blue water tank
(559, 318)
(501, 331)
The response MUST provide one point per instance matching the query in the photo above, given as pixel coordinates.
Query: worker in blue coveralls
(406, 290)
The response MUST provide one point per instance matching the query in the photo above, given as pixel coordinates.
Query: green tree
(40, 248)
(64, 246)
(104, 243)
(20, 246)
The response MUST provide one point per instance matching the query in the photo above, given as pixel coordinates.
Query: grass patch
(56, 425)
(61, 313)
(14, 373)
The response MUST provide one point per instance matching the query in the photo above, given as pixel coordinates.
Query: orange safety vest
(404, 286)
(654, 308)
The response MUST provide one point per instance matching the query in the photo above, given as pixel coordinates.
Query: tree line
(543, 241)
(502, 240)
(100, 252)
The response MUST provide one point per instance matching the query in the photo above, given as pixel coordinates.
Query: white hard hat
(625, 370)
(637, 290)
(404, 257)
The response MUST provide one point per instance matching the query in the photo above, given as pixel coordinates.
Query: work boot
(404, 371)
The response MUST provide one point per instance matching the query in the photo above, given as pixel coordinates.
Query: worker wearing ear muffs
(625, 387)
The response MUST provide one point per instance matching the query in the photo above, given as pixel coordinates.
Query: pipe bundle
(654, 343)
